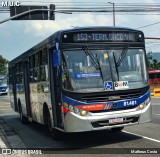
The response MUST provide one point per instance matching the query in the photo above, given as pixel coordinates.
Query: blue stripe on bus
(121, 103)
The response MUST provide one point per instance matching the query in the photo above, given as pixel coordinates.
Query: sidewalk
(9, 138)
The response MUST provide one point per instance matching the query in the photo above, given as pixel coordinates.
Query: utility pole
(113, 13)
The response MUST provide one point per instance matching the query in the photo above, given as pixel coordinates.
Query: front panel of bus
(104, 79)
(3, 85)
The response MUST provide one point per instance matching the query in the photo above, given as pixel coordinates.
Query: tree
(158, 64)
(3, 65)
(153, 64)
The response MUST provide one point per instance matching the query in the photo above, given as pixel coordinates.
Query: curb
(9, 137)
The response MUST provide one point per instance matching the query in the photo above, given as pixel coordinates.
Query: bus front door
(55, 86)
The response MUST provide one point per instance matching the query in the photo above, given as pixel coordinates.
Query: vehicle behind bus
(154, 78)
(3, 85)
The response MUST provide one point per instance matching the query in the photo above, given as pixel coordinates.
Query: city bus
(3, 85)
(83, 79)
(154, 78)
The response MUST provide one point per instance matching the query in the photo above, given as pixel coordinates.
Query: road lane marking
(157, 114)
(5, 109)
(145, 137)
(4, 103)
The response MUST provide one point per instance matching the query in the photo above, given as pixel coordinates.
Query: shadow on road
(35, 135)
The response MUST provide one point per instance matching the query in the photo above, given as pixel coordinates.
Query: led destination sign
(102, 37)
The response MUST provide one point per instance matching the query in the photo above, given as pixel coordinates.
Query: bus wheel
(117, 129)
(55, 134)
(23, 119)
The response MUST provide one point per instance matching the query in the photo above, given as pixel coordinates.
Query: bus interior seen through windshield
(88, 70)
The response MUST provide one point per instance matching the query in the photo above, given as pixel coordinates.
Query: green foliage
(153, 64)
(156, 82)
(3, 65)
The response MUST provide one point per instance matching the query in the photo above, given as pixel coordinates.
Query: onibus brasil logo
(10, 3)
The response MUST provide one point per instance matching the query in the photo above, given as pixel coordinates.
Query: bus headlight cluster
(145, 103)
(75, 109)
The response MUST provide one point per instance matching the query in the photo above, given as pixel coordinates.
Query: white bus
(3, 85)
(83, 79)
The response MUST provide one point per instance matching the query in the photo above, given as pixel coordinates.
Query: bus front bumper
(101, 121)
(3, 92)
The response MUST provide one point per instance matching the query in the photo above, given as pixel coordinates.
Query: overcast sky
(18, 36)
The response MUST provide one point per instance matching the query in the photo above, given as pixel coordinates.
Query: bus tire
(55, 134)
(117, 129)
(23, 119)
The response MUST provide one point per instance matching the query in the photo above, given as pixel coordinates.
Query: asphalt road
(138, 136)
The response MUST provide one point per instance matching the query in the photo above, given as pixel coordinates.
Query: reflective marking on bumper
(148, 138)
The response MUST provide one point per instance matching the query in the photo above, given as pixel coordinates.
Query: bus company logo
(121, 85)
(114, 97)
(10, 3)
(108, 106)
(6, 151)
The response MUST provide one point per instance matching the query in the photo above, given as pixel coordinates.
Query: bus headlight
(70, 107)
(148, 100)
(75, 109)
(145, 103)
(83, 112)
(141, 106)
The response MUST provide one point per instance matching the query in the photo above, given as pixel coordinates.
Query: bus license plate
(115, 120)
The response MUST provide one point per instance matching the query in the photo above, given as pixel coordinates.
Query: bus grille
(106, 97)
(126, 120)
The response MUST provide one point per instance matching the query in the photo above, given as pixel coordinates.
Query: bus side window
(17, 74)
(42, 73)
(36, 67)
(10, 76)
(44, 56)
(31, 68)
(43, 65)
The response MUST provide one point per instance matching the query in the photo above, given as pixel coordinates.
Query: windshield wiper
(116, 66)
(123, 54)
(94, 60)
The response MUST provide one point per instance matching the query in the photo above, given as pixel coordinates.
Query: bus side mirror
(56, 58)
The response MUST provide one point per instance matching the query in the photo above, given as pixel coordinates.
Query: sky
(18, 36)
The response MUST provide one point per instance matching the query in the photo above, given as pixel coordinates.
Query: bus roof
(98, 28)
(58, 34)
(154, 71)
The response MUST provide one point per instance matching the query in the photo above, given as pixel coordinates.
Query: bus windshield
(88, 70)
(3, 82)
